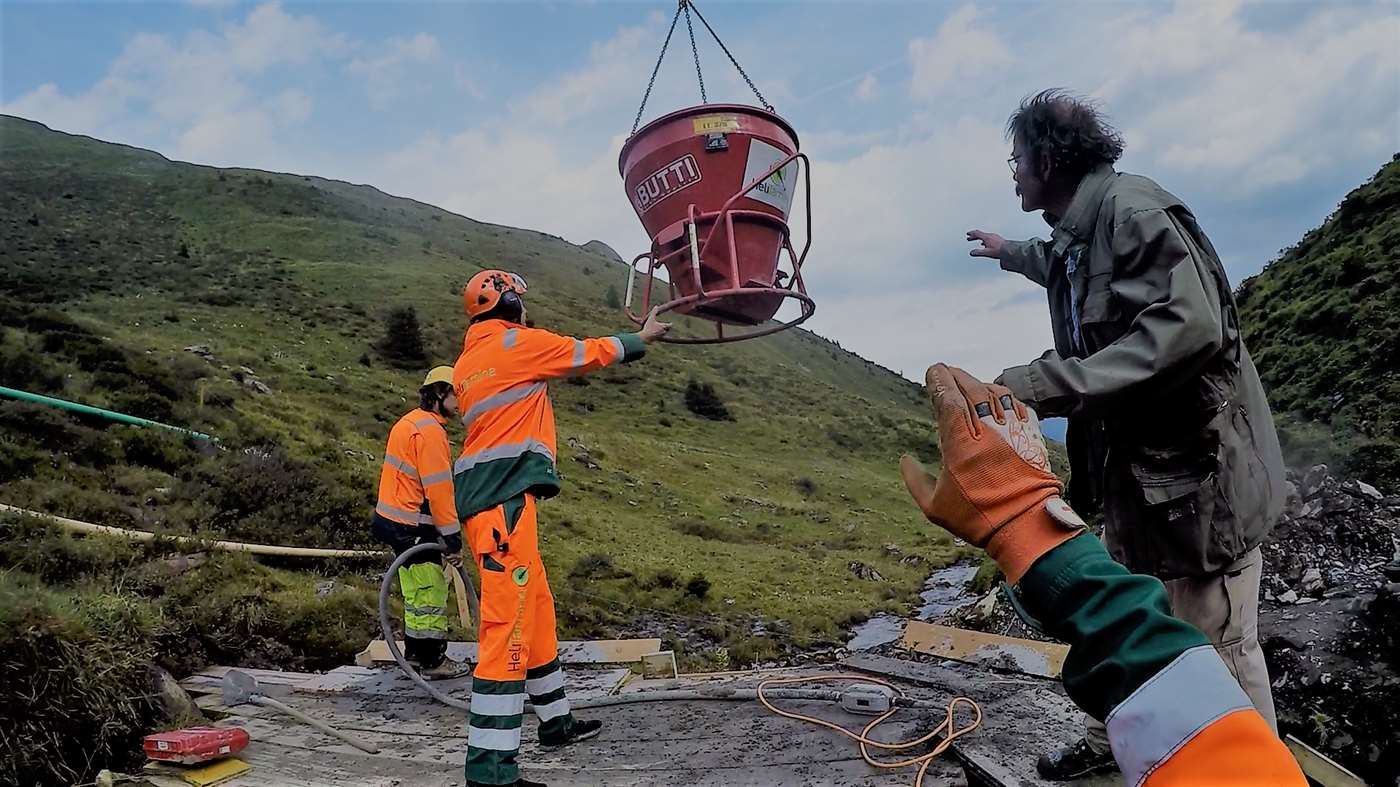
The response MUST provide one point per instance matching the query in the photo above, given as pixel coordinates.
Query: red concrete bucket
(714, 186)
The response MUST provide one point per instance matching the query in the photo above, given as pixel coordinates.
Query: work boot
(521, 782)
(1074, 762)
(446, 670)
(581, 730)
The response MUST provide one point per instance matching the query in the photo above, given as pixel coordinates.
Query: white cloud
(959, 51)
(386, 72)
(193, 95)
(1207, 101)
(270, 36)
(1245, 109)
(868, 88)
(608, 78)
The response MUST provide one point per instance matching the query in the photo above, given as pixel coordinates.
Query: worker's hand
(991, 244)
(996, 489)
(453, 545)
(653, 328)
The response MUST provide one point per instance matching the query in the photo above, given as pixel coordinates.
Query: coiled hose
(730, 693)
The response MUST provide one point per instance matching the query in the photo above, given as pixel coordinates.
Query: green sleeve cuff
(1022, 384)
(1119, 625)
(632, 346)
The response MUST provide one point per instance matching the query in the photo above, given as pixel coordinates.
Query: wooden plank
(601, 651)
(276, 765)
(464, 612)
(200, 776)
(660, 665)
(213, 705)
(649, 737)
(392, 682)
(678, 743)
(1015, 731)
(1319, 767)
(989, 650)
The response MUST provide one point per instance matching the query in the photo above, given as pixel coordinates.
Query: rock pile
(1328, 622)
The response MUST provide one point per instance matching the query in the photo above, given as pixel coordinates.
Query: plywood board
(1015, 731)
(601, 651)
(1321, 768)
(393, 682)
(988, 650)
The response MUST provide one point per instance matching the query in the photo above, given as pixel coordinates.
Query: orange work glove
(996, 489)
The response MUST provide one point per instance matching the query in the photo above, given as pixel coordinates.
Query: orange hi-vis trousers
(517, 644)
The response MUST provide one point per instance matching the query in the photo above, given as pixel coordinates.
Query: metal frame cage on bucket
(723, 263)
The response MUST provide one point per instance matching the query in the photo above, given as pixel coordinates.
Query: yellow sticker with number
(716, 124)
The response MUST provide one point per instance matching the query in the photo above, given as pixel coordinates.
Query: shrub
(612, 298)
(701, 399)
(403, 338)
(697, 586)
(595, 566)
(88, 657)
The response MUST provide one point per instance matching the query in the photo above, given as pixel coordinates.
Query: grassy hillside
(117, 259)
(1323, 323)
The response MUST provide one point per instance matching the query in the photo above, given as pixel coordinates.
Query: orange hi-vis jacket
(415, 484)
(502, 385)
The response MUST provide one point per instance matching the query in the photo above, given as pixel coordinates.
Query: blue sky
(1261, 115)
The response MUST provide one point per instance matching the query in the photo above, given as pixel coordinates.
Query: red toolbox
(195, 744)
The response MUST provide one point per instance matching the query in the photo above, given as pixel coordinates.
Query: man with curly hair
(1170, 434)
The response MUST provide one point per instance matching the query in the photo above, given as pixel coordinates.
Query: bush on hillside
(403, 338)
(84, 620)
(264, 495)
(701, 399)
(88, 657)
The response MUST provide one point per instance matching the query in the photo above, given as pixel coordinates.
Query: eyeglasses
(1011, 162)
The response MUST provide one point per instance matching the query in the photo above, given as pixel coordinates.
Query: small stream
(944, 591)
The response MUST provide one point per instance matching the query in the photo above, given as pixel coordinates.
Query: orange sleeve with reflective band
(549, 355)
(1237, 750)
(435, 473)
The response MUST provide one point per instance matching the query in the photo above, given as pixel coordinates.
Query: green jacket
(1170, 433)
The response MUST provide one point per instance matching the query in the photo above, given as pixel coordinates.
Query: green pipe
(87, 409)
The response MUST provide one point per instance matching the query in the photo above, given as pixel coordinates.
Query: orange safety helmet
(485, 289)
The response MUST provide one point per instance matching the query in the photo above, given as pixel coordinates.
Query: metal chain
(699, 77)
(652, 83)
(740, 68)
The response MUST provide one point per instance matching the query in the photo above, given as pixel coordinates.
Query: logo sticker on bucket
(666, 181)
(715, 124)
(778, 189)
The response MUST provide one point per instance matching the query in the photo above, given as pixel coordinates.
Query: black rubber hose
(711, 693)
(387, 630)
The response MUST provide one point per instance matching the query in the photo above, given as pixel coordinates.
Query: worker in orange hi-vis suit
(416, 506)
(506, 465)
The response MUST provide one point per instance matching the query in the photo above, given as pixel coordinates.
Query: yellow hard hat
(439, 374)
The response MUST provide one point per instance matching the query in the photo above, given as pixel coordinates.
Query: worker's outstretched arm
(1030, 258)
(551, 356)
(1164, 280)
(1175, 715)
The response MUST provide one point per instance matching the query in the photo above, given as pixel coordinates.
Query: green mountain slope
(1323, 323)
(117, 259)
